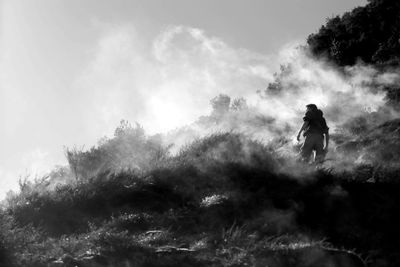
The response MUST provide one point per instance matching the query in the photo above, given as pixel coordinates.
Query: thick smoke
(274, 113)
(166, 85)
(167, 82)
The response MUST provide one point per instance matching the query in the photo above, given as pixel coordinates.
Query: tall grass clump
(130, 148)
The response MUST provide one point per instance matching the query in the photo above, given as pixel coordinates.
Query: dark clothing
(313, 141)
(314, 136)
(316, 123)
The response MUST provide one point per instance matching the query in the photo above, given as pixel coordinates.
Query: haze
(71, 70)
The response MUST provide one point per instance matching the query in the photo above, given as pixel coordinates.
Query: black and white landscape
(164, 133)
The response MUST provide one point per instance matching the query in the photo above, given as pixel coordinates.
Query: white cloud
(170, 83)
(8, 181)
(37, 162)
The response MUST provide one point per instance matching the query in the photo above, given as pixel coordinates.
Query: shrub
(130, 148)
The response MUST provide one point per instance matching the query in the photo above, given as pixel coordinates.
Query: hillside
(378, 146)
(223, 200)
(217, 193)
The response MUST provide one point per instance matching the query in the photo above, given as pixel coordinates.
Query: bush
(130, 148)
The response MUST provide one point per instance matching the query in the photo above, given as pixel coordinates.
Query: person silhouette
(315, 129)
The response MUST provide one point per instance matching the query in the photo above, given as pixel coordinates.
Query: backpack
(317, 123)
(320, 122)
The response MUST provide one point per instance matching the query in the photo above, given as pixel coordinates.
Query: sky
(70, 70)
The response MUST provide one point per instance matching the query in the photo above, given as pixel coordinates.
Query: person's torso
(316, 125)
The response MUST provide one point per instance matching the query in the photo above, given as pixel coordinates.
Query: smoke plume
(166, 85)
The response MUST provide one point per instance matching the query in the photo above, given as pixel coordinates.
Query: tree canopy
(370, 34)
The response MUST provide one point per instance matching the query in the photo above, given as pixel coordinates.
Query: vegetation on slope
(223, 200)
(369, 33)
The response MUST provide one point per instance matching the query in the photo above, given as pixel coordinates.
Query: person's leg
(306, 149)
(319, 149)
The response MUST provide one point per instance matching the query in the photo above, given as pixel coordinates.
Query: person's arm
(305, 125)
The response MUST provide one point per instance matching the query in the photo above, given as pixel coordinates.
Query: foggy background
(71, 70)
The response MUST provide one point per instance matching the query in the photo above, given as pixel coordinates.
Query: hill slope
(225, 199)
(222, 201)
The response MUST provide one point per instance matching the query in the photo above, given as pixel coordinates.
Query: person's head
(311, 107)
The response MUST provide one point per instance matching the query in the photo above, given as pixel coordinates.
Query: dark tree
(370, 34)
